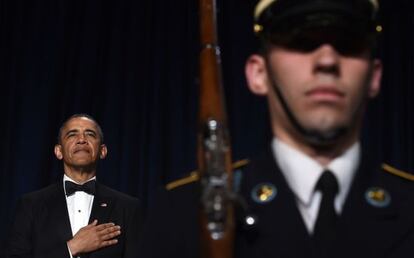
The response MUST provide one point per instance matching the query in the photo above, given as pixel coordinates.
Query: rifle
(214, 152)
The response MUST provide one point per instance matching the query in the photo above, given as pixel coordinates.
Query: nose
(81, 139)
(326, 60)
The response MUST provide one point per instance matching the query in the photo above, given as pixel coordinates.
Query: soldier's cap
(344, 22)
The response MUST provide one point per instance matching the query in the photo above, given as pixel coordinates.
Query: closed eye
(71, 133)
(90, 133)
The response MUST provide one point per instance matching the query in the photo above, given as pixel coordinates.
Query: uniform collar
(302, 172)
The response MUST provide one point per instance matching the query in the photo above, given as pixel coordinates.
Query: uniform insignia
(104, 204)
(264, 193)
(378, 197)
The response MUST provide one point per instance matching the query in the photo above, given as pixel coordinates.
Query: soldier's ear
(58, 151)
(103, 151)
(256, 75)
(375, 84)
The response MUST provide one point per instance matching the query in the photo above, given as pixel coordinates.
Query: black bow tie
(88, 187)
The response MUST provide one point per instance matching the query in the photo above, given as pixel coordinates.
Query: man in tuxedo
(316, 191)
(77, 216)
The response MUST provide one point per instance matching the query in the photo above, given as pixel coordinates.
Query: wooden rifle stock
(214, 154)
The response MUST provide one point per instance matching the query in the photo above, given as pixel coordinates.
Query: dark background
(133, 65)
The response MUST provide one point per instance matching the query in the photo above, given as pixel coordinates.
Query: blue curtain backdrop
(133, 65)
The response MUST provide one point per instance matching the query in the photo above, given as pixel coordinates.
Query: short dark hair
(100, 132)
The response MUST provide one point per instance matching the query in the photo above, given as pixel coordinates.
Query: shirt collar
(302, 172)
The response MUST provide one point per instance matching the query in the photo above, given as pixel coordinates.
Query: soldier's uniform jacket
(377, 219)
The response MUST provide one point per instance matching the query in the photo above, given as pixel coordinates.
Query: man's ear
(256, 75)
(58, 151)
(375, 84)
(103, 151)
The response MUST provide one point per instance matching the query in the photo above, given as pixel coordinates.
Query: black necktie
(88, 187)
(325, 228)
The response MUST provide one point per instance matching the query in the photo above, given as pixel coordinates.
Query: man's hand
(93, 237)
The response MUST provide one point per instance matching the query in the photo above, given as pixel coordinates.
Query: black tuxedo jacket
(42, 226)
(366, 229)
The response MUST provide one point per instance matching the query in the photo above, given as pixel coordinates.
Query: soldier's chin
(324, 138)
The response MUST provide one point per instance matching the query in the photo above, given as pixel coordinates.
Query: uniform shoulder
(186, 180)
(389, 169)
(194, 176)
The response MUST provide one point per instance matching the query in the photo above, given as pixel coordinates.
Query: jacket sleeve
(21, 239)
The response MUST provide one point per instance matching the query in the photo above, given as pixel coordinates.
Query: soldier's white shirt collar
(302, 172)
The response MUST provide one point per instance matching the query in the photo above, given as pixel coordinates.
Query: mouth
(325, 94)
(80, 151)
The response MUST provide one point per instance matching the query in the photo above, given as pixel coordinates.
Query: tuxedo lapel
(101, 210)
(58, 212)
(102, 205)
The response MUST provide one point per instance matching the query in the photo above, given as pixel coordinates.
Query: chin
(325, 124)
(84, 166)
(325, 136)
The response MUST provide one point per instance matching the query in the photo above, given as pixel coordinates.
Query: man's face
(80, 144)
(323, 89)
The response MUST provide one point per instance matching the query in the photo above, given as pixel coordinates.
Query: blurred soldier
(316, 191)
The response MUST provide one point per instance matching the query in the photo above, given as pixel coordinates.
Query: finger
(94, 223)
(104, 226)
(110, 235)
(109, 230)
(108, 242)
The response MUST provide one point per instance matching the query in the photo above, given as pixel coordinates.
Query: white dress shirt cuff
(70, 253)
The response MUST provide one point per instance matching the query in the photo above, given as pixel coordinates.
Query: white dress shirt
(302, 173)
(79, 207)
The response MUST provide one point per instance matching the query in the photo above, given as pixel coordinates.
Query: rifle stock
(214, 152)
